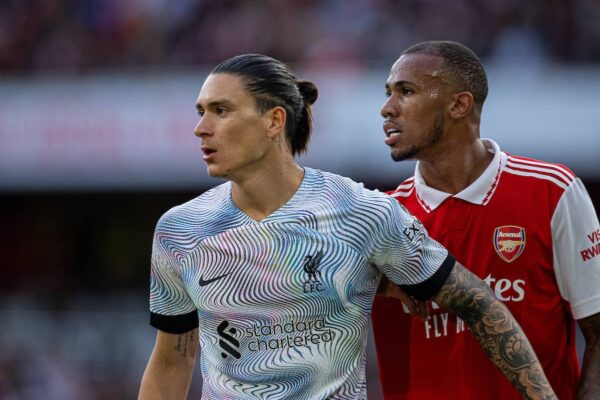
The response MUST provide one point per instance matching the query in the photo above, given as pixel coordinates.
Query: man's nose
(389, 109)
(202, 127)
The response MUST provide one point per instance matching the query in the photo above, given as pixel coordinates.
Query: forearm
(589, 382)
(497, 331)
(168, 375)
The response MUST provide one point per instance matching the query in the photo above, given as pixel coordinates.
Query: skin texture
(245, 146)
(497, 331)
(589, 384)
(168, 374)
(230, 127)
(437, 123)
(411, 99)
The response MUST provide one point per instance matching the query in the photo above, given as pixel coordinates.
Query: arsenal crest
(509, 242)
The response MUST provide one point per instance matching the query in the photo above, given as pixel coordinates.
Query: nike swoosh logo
(203, 282)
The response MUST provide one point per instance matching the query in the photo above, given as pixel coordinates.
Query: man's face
(414, 110)
(233, 132)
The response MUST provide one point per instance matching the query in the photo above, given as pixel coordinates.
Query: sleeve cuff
(175, 323)
(426, 289)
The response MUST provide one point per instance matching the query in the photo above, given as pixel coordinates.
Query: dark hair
(272, 84)
(462, 65)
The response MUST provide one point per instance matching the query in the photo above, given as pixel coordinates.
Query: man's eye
(201, 113)
(388, 93)
(221, 110)
(407, 91)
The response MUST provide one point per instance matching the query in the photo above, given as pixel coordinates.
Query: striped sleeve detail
(407, 184)
(558, 174)
(405, 189)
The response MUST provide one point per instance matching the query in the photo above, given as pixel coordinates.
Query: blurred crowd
(74, 294)
(79, 35)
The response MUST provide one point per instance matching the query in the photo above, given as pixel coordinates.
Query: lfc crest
(509, 242)
(311, 268)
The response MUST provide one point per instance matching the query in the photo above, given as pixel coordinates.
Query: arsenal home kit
(529, 230)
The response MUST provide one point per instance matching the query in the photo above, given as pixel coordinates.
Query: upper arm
(171, 307)
(576, 246)
(176, 349)
(403, 250)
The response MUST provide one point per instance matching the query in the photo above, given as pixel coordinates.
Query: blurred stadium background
(96, 117)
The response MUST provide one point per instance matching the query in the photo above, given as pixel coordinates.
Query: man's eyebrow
(215, 103)
(397, 84)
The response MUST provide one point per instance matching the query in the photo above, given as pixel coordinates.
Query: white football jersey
(283, 305)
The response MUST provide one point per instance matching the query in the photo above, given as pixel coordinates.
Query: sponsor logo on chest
(509, 242)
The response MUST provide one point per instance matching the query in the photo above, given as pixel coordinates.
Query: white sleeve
(408, 256)
(576, 244)
(171, 307)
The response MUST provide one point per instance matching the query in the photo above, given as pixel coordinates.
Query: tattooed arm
(497, 331)
(168, 374)
(589, 382)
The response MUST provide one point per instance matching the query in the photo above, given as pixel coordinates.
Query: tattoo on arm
(497, 331)
(186, 343)
(589, 382)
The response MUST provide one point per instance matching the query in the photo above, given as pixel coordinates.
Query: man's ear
(461, 105)
(275, 120)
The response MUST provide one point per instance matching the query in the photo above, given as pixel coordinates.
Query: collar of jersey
(303, 193)
(478, 192)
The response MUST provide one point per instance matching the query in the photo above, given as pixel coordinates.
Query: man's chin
(406, 154)
(215, 172)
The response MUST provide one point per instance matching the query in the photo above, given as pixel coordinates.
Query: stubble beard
(431, 137)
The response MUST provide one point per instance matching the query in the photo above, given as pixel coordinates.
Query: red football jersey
(529, 230)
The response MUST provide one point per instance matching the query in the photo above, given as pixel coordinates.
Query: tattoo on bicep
(496, 330)
(185, 343)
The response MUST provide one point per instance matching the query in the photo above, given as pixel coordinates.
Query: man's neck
(265, 191)
(455, 167)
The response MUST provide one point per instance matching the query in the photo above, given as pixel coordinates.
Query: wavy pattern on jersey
(269, 295)
(166, 296)
(265, 300)
(412, 260)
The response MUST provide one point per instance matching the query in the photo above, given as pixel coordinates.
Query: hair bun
(309, 91)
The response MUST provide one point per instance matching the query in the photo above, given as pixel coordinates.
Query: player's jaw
(407, 144)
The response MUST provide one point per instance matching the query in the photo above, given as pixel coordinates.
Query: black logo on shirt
(311, 268)
(412, 231)
(227, 341)
(203, 282)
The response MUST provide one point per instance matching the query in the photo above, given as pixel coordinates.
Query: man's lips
(392, 133)
(208, 153)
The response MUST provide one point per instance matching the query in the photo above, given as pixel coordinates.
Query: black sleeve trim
(426, 289)
(175, 323)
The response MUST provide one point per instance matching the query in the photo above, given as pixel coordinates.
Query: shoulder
(354, 196)
(196, 211)
(346, 187)
(554, 176)
(405, 189)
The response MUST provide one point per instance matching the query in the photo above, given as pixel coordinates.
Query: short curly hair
(461, 64)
